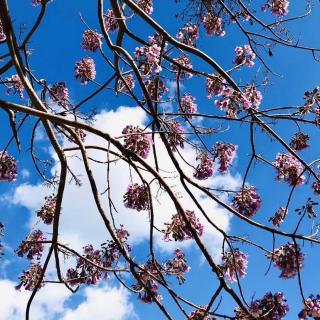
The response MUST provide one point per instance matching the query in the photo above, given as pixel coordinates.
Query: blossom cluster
(148, 58)
(178, 230)
(253, 96)
(299, 141)
(60, 94)
(8, 167)
(146, 6)
(2, 35)
(91, 40)
(30, 279)
(137, 197)
(85, 70)
(204, 169)
(37, 3)
(47, 211)
(279, 8)
(155, 88)
(188, 105)
(279, 217)
(244, 56)
(183, 63)
(128, 83)
(33, 246)
(110, 22)
(137, 141)
(188, 34)
(175, 135)
(311, 308)
(289, 259)
(235, 264)
(15, 85)
(213, 24)
(225, 153)
(247, 201)
(200, 314)
(215, 86)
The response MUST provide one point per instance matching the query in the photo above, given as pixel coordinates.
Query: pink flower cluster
(46, 213)
(15, 85)
(289, 169)
(32, 246)
(137, 141)
(146, 6)
(311, 308)
(225, 153)
(156, 88)
(148, 58)
(213, 24)
(60, 94)
(178, 230)
(175, 135)
(137, 197)
(247, 201)
(110, 23)
(200, 314)
(288, 258)
(188, 34)
(204, 169)
(85, 70)
(215, 86)
(127, 80)
(244, 56)
(30, 278)
(184, 62)
(299, 141)
(279, 8)
(253, 96)
(91, 41)
(188, 105)
(234, 263)
(8, 167)
(2, 34)
(279, 217)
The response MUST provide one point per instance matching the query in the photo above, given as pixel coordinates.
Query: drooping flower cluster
(188, 34)
(156, 88)
(30, 278)
(177, 266)
(60, 94)
(2, 34)
(137, 141)
(91, 40)
(215, 86)
(244, 56)
(137, 197)
(289, 169)
(247, 201)
(184, 62)
(175, 135)
(188, 105)
(299, 141)
(204, 169)
(225, 153)
(178, 230)
(234, 263)
(32, 246)
(46, 213)
(253, 96)
(311, 308)
(8, 167)
(127, 80)
(85, 70)
(200, 314)
(146, 6)
(279, 217)
(270, 307)
(279, 8)
(213, 24)
(15, 85)
(110, 22)
(148, 58)
(288, 258)
(37, 3)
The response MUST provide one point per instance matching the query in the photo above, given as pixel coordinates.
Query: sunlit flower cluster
(247, 201)
(279, 217)
(137, 197)
(234, 264)
(188, 34)
(225, 153)
(188, 105)
(8, 167)
(127, 80)
(46, 213)
(110, 22)
(146, 6)
(213, 24)
(85, 70)
(148, 58)
(30, 278)
(311, 308)
(204, 169)
(180, 70)
(200, 314)
(253, 96)
(15, 85)
(33, 246)
(91, 40)
(279, 8)
(60, 93)
(215, 86)
(175, 135)
(244, 56)
(2, 35)
(156, 88)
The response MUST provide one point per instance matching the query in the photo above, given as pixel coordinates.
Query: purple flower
(8, 167)
(60, 94)
(200, 314)
(146, 6)
(188, 105)
(288, 259)
(244, 56)
(188, 34)
(137, 141)
(299, 141)
(2, 34)
(32, 245)
(137, 197)
(30, 278)
(148, 58)
(127, 83)
(253, 96)
(247, 201)
(156, 89)
(279, 8)
(311, 308)
(175, 135)
(85, 70)
(15, 85)
(215, 86)
(46, 213)
(225, 153)
(91, 41)
(178, 230)
(204, 169)
(213, 24)
(184, 62)
(110, 22)
(234, 263)
(279, 217)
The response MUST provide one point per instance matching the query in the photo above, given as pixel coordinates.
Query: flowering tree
(199, 134)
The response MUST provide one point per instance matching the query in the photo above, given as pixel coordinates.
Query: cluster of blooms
(146, 6)
(178, 230)
(270, 307)
(8, 167)
(312, 98)
(175, 135)
(15, 85)
(279, 217)
(289, 259)
(148, 58)
(37, 3)
(213, 24)
(60, 94)
(311, 308)
(215, 86)
(225, 153)
(32, 246)
(110, 23)
(129, 81)
(253, 96)
(188, 105)
(289, 169)
(2, 35)
(30, 278)
(85, 70)
(279, 8)
(137, 141)
(204, 169)
(188, 34)
(247, 201)
(177, 266)
(156, 89)
(234, 264)
(244, 56)
(137, 197)
(200, 314)
(46, 213)
(183, 62)
(316, 184)
(80, 133)
(299, 141)
(91, 40)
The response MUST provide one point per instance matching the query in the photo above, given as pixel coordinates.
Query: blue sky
(55, 49)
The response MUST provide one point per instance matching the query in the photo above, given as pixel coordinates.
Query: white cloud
(25, 173)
